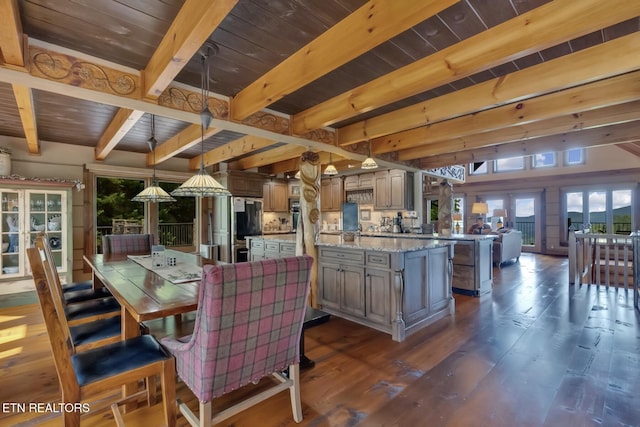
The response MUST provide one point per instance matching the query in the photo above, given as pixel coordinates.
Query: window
(605, 211)
(575, 156)
(478, 168)
(493, 205)
(543, 160)
(509, 165)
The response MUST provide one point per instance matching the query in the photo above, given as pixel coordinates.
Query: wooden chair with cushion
(97, 371)
(77, 312)
(133, 244)
(248, 326)
(73, 293)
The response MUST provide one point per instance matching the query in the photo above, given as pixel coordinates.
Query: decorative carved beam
(11, 37)
(541, 28)
(564, 124)
(607, 135)
(123, 121)
(274, 155)
(239, 147)
(567, 71)
(24, 100)
(189, 137)
(375, 22)
(294, 164)
(603, 93)
(193, 25)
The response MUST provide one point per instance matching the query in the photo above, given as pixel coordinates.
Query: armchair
(247, 327)
(507, 246)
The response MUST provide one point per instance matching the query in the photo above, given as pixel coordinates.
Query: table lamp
(457, 217)
(480, 208)
(500, 213)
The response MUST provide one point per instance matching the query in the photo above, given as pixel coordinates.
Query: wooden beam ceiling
(541, 28)
(24, 100)
(11, 37)
(375, 22)
(189, 137)
(557, 125)
(566, 71)
(274, 155)
(123, 121)
(603, 93)
(623, 133)
(241, 146)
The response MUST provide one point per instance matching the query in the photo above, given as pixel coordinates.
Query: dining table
(146, 293)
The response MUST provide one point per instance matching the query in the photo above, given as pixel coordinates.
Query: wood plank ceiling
(425, 83)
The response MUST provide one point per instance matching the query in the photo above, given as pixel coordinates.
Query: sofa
(507, 246)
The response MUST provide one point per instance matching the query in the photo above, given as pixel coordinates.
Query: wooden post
(309, 223)
(445, 204)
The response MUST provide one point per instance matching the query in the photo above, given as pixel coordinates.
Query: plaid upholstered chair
(248, 326)
(113, 244)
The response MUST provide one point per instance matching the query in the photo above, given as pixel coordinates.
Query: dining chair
(248, 326)
(86, 335)
(90, 374)
(77, 292)
(127, 244)
(78, 312)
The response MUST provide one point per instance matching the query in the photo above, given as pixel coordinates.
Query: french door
(528, 220)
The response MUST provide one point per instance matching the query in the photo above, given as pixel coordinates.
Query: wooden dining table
(143, 293)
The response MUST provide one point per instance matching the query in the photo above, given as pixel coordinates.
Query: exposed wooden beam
(558, 125)
(237, 148)
(631, 147)
(546, 26)
(567, 71)
(123, 121)
(607, 135)
(292, 165)
(604, 93)
(11, 37)
(24, 100)
(274, 155)
(189, 137)
(375, 22)
(192, 26)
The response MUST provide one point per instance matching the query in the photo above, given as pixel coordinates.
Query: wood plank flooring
(533, 352)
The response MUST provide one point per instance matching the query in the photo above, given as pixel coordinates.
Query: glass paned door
(527, 221)
(10, 230)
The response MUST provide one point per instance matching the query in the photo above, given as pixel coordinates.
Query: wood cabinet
(361, 181)
(24, 214)
(275, 195)
(393, 292)
(331, 195)
(472, 266)
(260, 248)
(393, 189)
(242, 184)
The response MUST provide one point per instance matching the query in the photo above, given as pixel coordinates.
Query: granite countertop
(428, 236)
(392, 243)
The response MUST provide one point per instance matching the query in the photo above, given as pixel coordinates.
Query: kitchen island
(395, 285)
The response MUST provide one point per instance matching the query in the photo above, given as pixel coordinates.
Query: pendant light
(369, 163)
(202, 184)
(330, 169)
(153, 193)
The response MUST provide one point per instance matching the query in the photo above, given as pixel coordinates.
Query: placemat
(182, 272)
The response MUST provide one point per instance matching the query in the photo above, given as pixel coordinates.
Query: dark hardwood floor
(533, 352)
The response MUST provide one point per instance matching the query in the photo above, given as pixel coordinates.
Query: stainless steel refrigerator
(246, 220)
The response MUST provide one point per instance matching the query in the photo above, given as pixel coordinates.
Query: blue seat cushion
(91, 308)
(72, 297)
(112, 359)
(95, 331)
(77, 286)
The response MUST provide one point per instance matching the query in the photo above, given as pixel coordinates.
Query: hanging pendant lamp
(330, 169)
(202, 184)
(369, 163)
(153, 193)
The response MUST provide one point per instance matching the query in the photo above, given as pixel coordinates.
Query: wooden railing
(604, 259)
(170, 234)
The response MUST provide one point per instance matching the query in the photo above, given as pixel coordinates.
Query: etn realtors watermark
(44, 408)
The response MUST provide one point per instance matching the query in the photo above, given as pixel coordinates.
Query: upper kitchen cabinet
(241, 184)
(331, 195)
(362, 181)
(275, 196)
(393, 189)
